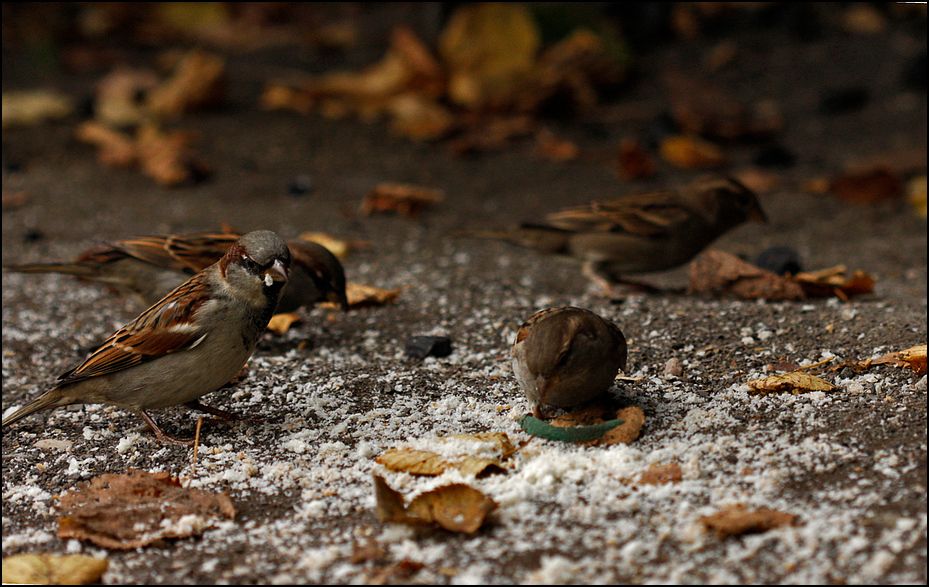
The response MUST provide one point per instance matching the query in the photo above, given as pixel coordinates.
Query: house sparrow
(564, 357)
(641, 233)
(150, 266)
(193, 341)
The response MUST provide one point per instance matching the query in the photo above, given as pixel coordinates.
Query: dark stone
(844, 100)
(420, 347)
(780, 260)
(300, 186)
(775, 156)
(32, 235)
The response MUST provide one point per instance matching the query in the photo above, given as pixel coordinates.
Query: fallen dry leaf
(691, 152)
(419, 118)
(661, 474)
(757, 180)
(912, 358)
(14, 200)
(456, 507)
(490, 133)
(167, 157)
(795, 382)
(550, 147)
(281, 323)
(408, 200)
(362, 296)
(569, 73)
(916, 194)
(490, 50)
(28, 107)
(720, 272)
(138, 508)
(701, 108)
(833, 281)
(338, 247)
(634, 161)
(280, 96)
(398, 572)
(867, 186)
(53, 569)
(425, 462)
(197, 81)
(736, 520)
(414, 462)
(119, 99)
(114, 148)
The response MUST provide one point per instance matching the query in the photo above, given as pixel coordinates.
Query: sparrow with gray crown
(150, 266)
(191, 342)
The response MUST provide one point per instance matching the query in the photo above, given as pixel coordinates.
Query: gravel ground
(337, 389)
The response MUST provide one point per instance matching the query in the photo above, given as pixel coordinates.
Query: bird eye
(250, 265)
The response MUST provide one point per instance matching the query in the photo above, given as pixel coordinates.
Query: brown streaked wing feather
(652, 215)
(187, 253)
(147, 337)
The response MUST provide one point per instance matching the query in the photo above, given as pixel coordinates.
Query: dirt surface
(337, 389)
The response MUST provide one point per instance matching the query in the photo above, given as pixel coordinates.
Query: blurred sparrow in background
(150, 266)
(641, 233)
(193, 341)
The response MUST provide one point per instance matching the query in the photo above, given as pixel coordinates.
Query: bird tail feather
(52, 398)
(66, 268)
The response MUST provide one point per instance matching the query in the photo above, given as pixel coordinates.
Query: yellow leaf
(690, 152)
(488, 48)
(368, 295)
(28, 107)
(53, 569)
(338, 247)
(414, 462)
(456, 507)
(916, 192)
(794, 382)
(281, 323)
(913, 358)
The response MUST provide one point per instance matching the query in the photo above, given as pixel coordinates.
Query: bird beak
(756, 214)
(277, 272)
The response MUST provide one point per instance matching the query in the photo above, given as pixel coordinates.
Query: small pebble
(420, 347)
(300, 186)
(674, 367)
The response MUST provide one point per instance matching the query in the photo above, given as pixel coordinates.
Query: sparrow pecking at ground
(641, 233)
(564, 357)
(191, 342)
(150, 266)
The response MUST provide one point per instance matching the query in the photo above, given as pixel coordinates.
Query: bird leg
(222, 414)
(160, 434)
(595, 272)
(216, 412)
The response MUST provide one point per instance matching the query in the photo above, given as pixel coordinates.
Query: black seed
(32, 235)
(780, 260)
(420, 347)
(300, 186)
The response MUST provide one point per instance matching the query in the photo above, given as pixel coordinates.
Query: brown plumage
(150, 266)
(191, 342)
(564, 357)
(641, 233)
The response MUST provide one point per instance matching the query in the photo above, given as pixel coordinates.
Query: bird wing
(187, 253)
(167, 327)
(655, 215)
